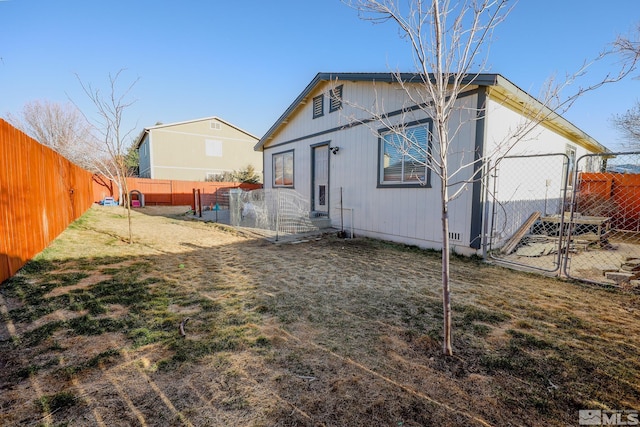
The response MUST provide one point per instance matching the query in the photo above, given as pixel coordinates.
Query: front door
(320, 179)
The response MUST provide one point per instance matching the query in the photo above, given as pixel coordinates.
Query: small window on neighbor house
(335, 99)
(318, 106)
(213, 148)
(216, 126)
(283, 169)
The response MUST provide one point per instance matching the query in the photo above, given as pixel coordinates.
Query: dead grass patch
(82, 284)
(327, 332)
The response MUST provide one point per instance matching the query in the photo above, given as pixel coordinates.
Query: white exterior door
(321, 179)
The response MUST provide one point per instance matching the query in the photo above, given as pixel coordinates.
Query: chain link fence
(212, 203)
(526, 189)
(580, 219)
(605, 220)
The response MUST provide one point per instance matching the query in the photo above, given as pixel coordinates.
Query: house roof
(499, 88)
(164, 125)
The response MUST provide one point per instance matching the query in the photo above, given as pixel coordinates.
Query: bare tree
(449, 41)
(629, 46)
(112, 140)
(61, 127)
(628, 124)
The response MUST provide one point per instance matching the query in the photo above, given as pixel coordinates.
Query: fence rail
(170, 192)
(41, 193)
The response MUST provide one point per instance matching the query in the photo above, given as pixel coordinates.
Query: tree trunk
(446, 291)
(125, 186)
(443, 136)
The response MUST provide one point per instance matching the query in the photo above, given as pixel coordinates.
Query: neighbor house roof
(499, 88)
(164, 125)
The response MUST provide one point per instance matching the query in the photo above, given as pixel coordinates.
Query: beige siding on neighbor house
(193, 150)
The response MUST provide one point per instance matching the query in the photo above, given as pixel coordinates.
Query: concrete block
(620, 276)
(607, 268)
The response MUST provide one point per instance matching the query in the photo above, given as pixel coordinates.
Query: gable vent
(318, 106)
(216, 126)
(335, 99)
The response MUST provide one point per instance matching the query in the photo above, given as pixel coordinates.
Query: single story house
(329, 147)
(196, 150)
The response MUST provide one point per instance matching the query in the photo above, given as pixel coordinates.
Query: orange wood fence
(41, 193)
(164, 191)
(612, 194)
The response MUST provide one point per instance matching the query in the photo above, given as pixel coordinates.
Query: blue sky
(246, 61)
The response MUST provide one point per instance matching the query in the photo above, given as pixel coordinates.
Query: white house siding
(412, 215)
(529, 184)
(407, 215)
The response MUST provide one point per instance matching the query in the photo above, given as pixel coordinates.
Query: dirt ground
(318, 332)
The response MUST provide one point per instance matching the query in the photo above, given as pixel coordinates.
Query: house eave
(518, 100)
(478, 79)
(499, 88)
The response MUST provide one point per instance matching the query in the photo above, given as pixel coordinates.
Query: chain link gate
(578, 219)
(604, 225)
(525, 189)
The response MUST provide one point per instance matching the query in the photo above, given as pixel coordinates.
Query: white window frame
(213, 148)
(283, 168)
(570, 168)
(393, 140)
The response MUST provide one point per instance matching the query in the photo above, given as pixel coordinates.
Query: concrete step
(321, 222)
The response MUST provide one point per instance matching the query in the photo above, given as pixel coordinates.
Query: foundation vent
(455, 236)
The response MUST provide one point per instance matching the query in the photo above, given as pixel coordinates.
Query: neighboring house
(196, 150)
(345, 163)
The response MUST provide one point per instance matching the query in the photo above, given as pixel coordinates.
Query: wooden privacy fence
(168, 192)
(614, 195)
(41, 193)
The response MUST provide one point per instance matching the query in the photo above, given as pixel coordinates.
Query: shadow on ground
(198, 325)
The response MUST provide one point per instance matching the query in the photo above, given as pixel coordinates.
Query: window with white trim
(213, 176)
(283, 169)
(213, 148)
(403, 156)
(570, 166)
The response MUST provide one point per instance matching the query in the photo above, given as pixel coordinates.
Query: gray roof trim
(480, 79)
(483, 79)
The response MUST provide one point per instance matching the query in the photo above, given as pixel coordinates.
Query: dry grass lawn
(327, 332)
